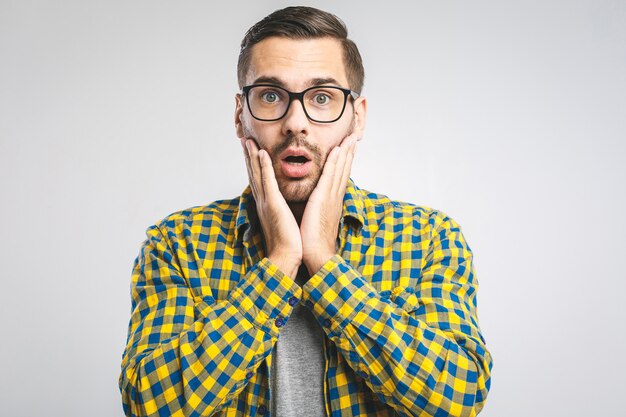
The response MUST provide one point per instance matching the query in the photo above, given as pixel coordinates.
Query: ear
(238, 113)
(360, 116)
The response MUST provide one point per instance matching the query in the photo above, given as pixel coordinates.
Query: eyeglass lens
(323, 104)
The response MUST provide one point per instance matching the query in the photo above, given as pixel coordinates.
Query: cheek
(247, 126)
(335, 137)
(264, 134)
(339, 133)
(250, 130)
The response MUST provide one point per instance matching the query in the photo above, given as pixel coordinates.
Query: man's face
(297, 146)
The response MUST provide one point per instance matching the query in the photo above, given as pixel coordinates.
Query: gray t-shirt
(297, 374)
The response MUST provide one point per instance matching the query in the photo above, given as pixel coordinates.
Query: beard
(297, 191)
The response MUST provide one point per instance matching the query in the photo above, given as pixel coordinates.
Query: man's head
(295, 49)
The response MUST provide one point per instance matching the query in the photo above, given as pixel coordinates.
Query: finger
(350, 138)
(347, 168)
(328, 173)
(341, 160)
(253, 151)
(268, 177)
(246, 155)
(344, 164)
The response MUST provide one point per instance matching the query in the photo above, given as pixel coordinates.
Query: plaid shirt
(397, 304)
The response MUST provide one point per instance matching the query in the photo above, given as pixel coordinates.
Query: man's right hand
(283, 244)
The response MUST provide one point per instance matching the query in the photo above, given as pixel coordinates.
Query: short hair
(300, 22)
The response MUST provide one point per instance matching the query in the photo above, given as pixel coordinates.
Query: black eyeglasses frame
(300, 97)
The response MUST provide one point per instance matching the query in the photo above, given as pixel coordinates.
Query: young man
(305, 296)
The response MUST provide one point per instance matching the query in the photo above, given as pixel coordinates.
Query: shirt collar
(244, 213)
(353, 210)
(353, 205)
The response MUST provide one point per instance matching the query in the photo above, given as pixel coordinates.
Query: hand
(282, 237)
(322, 214)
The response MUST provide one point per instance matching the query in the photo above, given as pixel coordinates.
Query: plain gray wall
(508, 116)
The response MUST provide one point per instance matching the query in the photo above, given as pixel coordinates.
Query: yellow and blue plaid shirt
(397, 305)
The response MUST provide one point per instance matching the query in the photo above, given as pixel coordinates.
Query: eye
(269, 97)
(321, 98)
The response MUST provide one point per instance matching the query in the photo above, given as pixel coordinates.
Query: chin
(298, 192)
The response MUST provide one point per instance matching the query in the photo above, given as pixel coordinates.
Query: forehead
(297, 62)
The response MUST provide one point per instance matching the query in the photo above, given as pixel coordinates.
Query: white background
(508, 116)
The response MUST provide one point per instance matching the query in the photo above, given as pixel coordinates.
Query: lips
(295, 162)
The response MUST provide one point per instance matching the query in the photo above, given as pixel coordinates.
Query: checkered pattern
(397, 303)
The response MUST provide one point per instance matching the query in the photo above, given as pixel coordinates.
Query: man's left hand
(323, 211)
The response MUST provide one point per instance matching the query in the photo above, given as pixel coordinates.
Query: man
(305, 296)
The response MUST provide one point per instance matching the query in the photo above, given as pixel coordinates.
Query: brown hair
(302, 22)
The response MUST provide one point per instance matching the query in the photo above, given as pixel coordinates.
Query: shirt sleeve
(420, 350)
(189, 355)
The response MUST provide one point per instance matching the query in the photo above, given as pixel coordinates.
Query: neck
(297, 209)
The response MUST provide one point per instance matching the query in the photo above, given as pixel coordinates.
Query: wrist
(315, 263)
(287, 265)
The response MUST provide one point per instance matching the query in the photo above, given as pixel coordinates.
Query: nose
(295, 121)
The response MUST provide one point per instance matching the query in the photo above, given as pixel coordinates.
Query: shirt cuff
(265, 296)
(336, 293)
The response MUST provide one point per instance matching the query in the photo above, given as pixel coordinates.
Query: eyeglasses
(321, 104)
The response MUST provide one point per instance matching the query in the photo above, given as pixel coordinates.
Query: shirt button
(293, 301)
(362, 374)
(309, 303)
(262, 410)
(326, 323)
(279, 322)
(249, 375)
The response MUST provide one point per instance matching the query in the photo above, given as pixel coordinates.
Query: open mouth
(296, 160)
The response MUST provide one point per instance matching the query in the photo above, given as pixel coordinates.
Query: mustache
(299, 141)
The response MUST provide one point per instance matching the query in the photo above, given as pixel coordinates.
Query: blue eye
(321, 98)
(270, 97)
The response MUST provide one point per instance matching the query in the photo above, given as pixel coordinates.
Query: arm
(185, 353)
(421, 352)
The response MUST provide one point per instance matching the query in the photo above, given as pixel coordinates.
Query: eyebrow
(323, 81)
(268, 80)
(311, 83)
